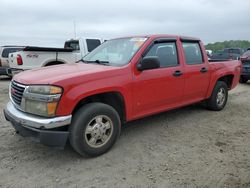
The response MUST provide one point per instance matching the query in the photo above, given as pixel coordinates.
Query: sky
(51, 22)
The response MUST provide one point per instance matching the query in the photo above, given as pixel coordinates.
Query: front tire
(218, 99)
(94, 129)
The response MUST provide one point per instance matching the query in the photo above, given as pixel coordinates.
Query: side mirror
(147, 63)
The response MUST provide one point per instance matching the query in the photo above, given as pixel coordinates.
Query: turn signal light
(51, 108)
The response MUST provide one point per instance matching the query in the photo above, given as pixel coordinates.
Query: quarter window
(192, 53)
(166, 52)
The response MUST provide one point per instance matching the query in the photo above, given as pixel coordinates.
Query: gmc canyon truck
(35, 57)
(121, 80)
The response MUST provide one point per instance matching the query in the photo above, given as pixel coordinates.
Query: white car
(4, 54)
(35, 57)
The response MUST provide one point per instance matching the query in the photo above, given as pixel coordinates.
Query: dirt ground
(188, 147)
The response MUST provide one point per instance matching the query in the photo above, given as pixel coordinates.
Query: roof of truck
(164, 36)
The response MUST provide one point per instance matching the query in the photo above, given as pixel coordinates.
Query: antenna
(74, 28)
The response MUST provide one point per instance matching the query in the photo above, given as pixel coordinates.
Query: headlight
(42, 99)
(46, 90)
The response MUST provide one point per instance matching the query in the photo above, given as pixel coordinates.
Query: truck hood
(57, 73)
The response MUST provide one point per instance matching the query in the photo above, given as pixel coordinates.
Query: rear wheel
(218, 99)
(94, 129)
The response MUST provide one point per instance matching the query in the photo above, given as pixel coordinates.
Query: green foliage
(215, 47)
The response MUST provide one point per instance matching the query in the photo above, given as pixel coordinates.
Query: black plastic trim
(186, 39)
(47, 137)
(44, 49)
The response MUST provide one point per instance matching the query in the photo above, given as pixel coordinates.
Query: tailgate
(13, 60)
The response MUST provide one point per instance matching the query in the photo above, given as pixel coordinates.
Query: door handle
(177, 73)
(203, 70)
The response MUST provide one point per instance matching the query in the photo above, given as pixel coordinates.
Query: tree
(215, 47)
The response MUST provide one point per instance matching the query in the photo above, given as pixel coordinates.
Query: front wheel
(94, 129)
(218, 99)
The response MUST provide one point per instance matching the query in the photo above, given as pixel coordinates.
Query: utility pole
(74, 28)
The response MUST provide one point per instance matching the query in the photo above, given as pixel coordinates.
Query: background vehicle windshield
(74, 44)
(116, 52)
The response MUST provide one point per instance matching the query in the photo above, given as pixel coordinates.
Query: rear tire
(243, 80)
(218, 99)
(94, 129)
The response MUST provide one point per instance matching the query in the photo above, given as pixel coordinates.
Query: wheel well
(53, 63)
(114, 99)
(228, 79)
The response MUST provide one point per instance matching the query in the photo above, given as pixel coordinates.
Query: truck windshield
(116, 52)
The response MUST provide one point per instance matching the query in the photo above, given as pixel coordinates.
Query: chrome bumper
(33, 121)
(6, 71)
(13, 71)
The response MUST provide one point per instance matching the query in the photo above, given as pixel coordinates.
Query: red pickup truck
(121, 80)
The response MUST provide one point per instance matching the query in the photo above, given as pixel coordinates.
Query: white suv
(4, 54)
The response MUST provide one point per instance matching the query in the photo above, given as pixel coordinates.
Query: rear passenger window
(192, 53)
(7, 51)
(92, 44)
(166, 52)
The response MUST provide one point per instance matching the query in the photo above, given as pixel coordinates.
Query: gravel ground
(188, 147)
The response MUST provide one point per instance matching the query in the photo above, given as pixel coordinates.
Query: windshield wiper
(101, 62)
(96, 61)
(81, 60)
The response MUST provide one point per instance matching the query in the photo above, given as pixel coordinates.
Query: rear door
(197, 73)
(162, 88)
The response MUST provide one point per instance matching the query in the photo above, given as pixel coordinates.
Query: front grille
(16, 92)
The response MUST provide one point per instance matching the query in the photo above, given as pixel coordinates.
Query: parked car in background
(122, 80)
(34, 57)
(209, 52)
(245, 73)
(4, 57)
(228, 53)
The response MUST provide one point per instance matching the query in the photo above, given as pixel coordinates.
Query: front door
(162, 88)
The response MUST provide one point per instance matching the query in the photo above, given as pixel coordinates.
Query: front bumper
(4, 71)
(40, 129)
(246, 76)
(13, 71)
(245, 71)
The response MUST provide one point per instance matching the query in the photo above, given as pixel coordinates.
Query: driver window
(166, 52)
